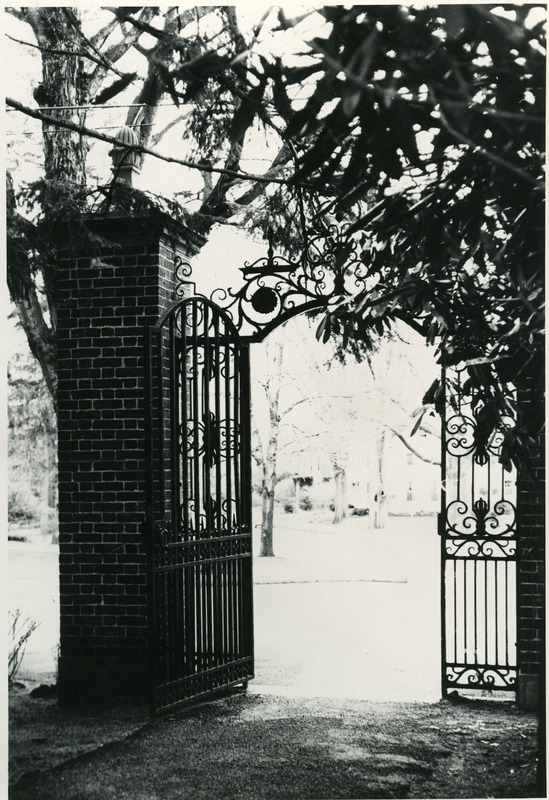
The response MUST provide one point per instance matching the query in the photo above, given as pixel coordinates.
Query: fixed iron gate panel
(479, 561)
(199, 507)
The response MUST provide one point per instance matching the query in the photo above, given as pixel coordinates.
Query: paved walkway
(341, 611)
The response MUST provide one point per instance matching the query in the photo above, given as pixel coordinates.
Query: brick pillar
(531, 551)
(106, 299)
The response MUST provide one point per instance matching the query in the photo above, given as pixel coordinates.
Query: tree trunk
(64, 85)
(269, 469)
(380, 499)
(48, 508)
(340, 495)
(267, 517)
(63, 88)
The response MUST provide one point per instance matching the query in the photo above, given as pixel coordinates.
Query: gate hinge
(441, 522)
(161, 531)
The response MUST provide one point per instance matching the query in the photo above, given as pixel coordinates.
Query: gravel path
(254, 747)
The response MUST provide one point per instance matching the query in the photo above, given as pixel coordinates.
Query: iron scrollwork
(479, 543)
(275, 287)
(480, 531)
(183, 272)
(474, 677)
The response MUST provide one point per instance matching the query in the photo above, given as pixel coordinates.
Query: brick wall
(105, 302)
(531, 550)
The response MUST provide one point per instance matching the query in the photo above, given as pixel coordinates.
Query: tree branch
(483, 151)
(461, 137)
(407, 444)
(84, 131)
(142, 27)
(65, 53)
(19, 13)
(101, 36)
(131, 37)
(281, 159)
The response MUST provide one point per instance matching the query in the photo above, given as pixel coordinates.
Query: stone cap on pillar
(125, 160)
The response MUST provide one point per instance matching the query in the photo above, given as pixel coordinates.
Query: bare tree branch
(281, 159)
(201, 167)
(101, 36)
(65, 53)
(407, 444)
(141, 25)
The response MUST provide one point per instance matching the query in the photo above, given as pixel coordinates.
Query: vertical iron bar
(184, 424)
(217, 574)
(486, 611)
(465, 614)
(207, 421)
(206, 472)
(246, 457)
(188, 488)
(224, 595)
(455, 610)
(237, 499)
(149, 521)
(234, 612)
(173, 413)
(496, 613)
(196, 421)
(237, 437)
(442, 533)
(228, 480)
(507, 661)
(475, 602)
(198, 617)
(228, 420)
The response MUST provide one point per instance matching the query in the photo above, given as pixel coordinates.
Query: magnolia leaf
(455, 19)
(202, 67)
(417, 424)
(114, 88)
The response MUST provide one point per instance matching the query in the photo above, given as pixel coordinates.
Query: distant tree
(32, 495)
(266, 455)
(341, 407)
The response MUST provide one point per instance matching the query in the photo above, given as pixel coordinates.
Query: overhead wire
(102, 107)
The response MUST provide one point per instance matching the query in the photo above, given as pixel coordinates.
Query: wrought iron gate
(199, 505)
(479, 561)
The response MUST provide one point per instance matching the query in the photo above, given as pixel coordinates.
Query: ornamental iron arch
(276, 288)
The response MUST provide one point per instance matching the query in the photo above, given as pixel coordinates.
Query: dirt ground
(250, 747)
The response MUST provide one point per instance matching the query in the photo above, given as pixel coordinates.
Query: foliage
(29, 407)
(31, 437)
(23, 503)
(20, 630)
(419, 129)
(430, 140)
